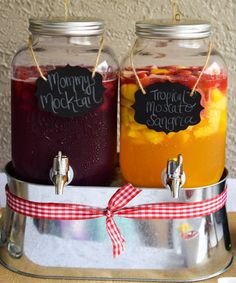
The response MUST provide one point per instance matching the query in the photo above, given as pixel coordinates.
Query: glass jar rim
(72, 26)
(184, 29)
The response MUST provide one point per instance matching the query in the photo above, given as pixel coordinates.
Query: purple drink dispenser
(59, 106)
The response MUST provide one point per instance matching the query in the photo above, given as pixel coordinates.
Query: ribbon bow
(123, 196)
(63, 211)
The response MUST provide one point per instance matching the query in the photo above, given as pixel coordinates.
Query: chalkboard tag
(70, 91)
(167, 107)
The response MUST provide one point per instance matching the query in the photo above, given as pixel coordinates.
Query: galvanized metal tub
(155, 250)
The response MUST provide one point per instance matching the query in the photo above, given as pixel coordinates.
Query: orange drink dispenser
(173, 102)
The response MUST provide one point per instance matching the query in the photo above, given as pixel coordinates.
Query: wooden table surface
(7, 276)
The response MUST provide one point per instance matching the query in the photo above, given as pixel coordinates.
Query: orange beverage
(144, 151)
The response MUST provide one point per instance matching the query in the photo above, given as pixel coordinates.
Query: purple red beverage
(89, 141)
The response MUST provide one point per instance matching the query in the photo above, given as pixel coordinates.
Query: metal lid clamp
(173, 176)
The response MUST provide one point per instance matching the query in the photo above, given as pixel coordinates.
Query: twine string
(174, 10)
(204, 68)
(66, 9)
(98, 56)
(30, 45)
(176, 13)
(134, 70)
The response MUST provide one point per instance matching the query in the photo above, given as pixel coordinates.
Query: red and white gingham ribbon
(116, 206)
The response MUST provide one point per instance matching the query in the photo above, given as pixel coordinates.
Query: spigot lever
(174, 176)
(61, 173)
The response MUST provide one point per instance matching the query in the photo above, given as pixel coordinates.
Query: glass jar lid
(178, 30)
(73, 26)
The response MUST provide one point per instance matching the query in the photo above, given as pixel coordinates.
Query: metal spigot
(61, 173)
(174, 176)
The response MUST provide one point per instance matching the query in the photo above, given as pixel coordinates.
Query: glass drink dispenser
(60, 104)
(173, 101)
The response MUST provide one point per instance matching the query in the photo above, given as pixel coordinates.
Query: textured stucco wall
(120, 16)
